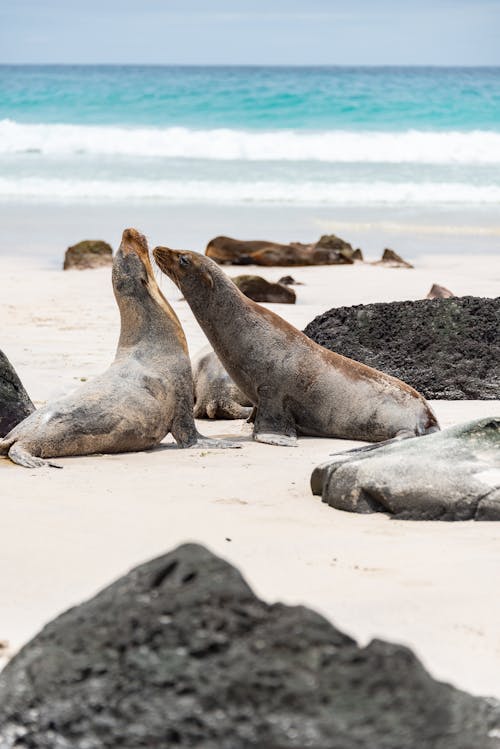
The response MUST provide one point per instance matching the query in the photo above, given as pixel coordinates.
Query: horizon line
(249, 65)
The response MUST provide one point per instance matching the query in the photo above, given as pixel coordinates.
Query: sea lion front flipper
(274, 425)
(186, 435)
(211, 443)
(22, 457)
(280, 440)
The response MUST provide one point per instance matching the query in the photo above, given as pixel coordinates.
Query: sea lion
(146, 393)
(215, 394)
(297, 386)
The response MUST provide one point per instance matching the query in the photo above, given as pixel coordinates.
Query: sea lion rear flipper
(22, 457)
(273, 425)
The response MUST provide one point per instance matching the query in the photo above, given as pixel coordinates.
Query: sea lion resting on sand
(297, 386)
(146, 393)
(215, 394)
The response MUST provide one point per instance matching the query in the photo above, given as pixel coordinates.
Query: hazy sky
(336, 32)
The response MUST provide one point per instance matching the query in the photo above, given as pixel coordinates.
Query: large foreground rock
(261, 290)
(445, 348)
(180, 653)
(450, 475)
(91, 253)
(15, 403)
(329, 250)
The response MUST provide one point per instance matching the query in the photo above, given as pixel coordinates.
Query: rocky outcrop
(444, 348)
(329, 250)
(91, 253)
(439, 292)
(261, 290)
(391, 259)
(15, 403)
(181, 653)
(450, 475)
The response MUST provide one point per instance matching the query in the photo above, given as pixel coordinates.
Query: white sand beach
(66, 534)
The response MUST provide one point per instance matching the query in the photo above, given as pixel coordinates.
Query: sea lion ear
(207, 279)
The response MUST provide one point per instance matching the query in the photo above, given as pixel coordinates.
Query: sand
(65, 534)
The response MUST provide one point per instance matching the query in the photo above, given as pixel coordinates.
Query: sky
(251, 32)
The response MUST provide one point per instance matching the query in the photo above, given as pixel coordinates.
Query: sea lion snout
(184, 268)
(134, 241)
(165, 259)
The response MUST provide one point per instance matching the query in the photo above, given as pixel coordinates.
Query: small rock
(91, 253)
(439, 292)
(392, 260)
(15, 403)
(261, 290)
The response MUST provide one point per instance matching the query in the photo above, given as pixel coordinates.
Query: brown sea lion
(146, 393)
(297, 386)
(215, 394)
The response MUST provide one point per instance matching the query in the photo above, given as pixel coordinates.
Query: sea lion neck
(145, 323)
(222, 300)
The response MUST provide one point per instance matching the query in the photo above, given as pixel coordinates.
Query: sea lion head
(186, 269)
(134, 281)
(132, 269)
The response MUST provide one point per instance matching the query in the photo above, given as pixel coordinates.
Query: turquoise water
(256, 98)
(324, 136)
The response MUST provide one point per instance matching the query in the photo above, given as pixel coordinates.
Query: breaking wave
(229, 192)
(341, 146)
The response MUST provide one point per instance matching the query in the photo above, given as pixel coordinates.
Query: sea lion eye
(183, 261)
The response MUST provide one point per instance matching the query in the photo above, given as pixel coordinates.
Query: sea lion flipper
(211, 443)
(281, 440)
(23, 457)
(274, 425)
(186, 435)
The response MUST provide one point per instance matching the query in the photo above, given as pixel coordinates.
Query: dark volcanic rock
(445, 348)
(15, 403)
(450, 475)
(91, 253)
(180, 653)
(261, 290)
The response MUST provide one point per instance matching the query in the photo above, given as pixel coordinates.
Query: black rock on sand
(15, 403)
(445, 348)
(181, 653)
(450, 475)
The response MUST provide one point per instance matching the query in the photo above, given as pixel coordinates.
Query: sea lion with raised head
(297, 386)
(146, 393)
(215, 394)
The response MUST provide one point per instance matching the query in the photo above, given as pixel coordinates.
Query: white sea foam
(204, 191)
(413, 146)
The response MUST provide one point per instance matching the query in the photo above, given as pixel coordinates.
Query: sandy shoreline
(67, 533)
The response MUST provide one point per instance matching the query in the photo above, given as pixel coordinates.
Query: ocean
(243, 135)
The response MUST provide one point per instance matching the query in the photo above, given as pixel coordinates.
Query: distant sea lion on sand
(146, 393)
(297, 386)
(215, 394)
